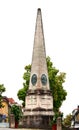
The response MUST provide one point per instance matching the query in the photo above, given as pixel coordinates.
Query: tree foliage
(56, 80)
(67, 120)
(2, 89)
(22, 92)
(16, 110)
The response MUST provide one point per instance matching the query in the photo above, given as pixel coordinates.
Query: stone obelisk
(39, 101)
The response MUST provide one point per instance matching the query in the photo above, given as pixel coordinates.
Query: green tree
(22, 92)
(67, 120)
(56, 80)
(16, 110)
(2, 89)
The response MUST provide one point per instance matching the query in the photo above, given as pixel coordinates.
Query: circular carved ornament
(34, 79)
(44, 79)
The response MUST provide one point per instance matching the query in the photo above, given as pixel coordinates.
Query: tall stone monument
(39, 101)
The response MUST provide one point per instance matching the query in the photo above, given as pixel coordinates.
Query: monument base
(38, 111)
(42, 122)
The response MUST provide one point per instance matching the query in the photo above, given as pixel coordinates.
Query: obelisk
(39, 101)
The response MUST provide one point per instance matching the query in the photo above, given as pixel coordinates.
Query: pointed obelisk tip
(39, 10)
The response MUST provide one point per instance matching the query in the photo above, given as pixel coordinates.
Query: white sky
(61, 32)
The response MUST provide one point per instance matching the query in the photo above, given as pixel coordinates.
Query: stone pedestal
(39, 110)
(59, 124)
(12, 121)
(37, 122)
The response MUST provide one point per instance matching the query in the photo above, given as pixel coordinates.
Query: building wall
(4, 111)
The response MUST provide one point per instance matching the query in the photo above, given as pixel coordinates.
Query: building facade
(5, 110)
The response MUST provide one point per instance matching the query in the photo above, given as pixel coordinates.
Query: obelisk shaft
(39, 65)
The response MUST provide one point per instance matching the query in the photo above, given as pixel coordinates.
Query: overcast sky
(61, 32)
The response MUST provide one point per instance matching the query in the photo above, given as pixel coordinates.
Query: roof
(11, 101)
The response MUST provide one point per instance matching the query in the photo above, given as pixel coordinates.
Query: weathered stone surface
(39, 65)
(19, 129)
(59, 124)
(39, 101)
